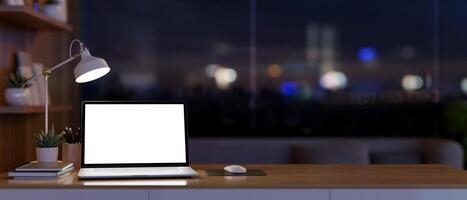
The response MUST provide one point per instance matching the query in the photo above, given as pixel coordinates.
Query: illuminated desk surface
(278, 176)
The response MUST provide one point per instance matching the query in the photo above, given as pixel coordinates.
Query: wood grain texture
(25, 17)
(72, 153)
(33, 109)
(280, 176)
(49, 48)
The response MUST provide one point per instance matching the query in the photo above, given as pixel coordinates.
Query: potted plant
(455, 122)
(71, 149)
(15, 95)
(47, 145)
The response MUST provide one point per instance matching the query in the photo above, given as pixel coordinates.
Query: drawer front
(73, 194)
(243, 194)
(405, 194)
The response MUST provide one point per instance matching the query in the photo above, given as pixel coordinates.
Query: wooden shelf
(26, 17)
(32, 109)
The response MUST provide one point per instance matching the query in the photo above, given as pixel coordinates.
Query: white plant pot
(47, 154)
(56, 11)
(17, 96)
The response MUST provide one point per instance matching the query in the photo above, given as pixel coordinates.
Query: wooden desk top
(280, 176)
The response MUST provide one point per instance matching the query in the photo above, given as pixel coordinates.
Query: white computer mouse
(235, 169)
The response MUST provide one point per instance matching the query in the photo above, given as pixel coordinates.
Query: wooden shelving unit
(33, 109)
(44, 37)
(26, 17)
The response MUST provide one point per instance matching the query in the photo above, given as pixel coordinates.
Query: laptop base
(136, 172)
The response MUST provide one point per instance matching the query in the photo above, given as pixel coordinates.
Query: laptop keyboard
(135, 170)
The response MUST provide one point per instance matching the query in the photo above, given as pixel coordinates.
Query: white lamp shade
(90, 68)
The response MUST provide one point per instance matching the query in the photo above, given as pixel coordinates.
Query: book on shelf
(39, 174)
(41, 167)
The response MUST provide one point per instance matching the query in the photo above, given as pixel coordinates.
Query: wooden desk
(320, 182)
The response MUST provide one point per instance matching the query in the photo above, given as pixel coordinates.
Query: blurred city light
(138, 80)
(274, 70)
(367, 54)
(224, 77)
(289, 88)
(333, 80)
(211, 69)
(412, 82)
(464, 85)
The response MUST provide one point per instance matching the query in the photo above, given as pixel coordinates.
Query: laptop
(134, 140)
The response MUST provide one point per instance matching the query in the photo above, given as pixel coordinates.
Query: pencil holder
(72, 153)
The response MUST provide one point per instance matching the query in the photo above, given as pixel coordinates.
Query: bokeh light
(412, 82)
(274, 71)
(224, 77)
(464, 85)
(333, 80)
(367, 54)
(289, 88)
(211, 69)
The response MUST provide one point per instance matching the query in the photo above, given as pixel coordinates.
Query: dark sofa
(326, 150)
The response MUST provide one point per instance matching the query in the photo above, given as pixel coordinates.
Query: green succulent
(455, 116)
(49, 139)
(15, 80)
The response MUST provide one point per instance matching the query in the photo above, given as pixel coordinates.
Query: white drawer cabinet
(243, 194)
(73, 194)
(402, 194)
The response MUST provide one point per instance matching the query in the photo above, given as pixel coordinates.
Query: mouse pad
(249, 172)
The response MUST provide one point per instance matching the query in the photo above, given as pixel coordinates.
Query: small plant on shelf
(17, 91)
(15, 80)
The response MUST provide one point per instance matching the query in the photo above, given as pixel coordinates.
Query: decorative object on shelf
(88, 69)
(25, 68)
(14, 2)
(56, 9)
(36, 5)
(71, 149)
(47, 145)
(25, 17)
(18, 91)
(28, 3)
(39, 84)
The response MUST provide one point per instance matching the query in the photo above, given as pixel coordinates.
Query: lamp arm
(48, 71)
(46, 75)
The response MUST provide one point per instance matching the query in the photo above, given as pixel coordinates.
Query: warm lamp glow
(92, 75)
(90, 68)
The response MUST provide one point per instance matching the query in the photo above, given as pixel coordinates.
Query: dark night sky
(169, 43)
(182, 33)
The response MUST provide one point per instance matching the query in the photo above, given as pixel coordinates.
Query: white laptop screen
(134, 133)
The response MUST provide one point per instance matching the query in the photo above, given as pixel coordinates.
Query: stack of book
(36, 170)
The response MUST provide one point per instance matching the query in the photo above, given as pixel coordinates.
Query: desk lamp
(88, 69)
